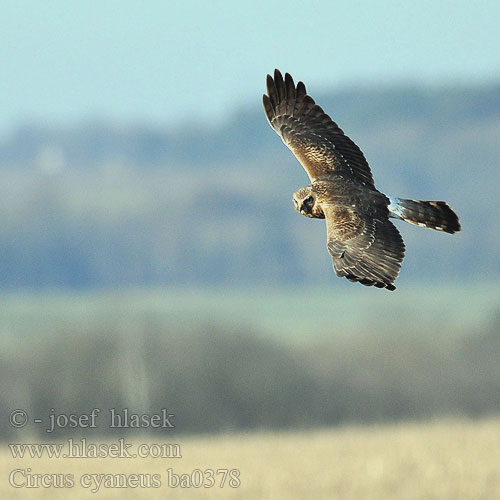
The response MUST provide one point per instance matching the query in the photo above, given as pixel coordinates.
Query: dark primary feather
(315, 139)
(363, 248)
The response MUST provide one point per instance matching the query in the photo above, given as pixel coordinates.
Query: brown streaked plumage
(364, 244)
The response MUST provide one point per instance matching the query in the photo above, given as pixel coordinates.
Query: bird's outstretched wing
(364, 249)
(314, 138)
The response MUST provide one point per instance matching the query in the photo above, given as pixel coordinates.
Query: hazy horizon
(191, 61)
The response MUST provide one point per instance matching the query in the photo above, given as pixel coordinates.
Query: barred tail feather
(433, 214)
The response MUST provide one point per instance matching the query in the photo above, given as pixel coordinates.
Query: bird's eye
(309, 200)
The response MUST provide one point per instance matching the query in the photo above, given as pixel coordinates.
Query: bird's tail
(433, 214)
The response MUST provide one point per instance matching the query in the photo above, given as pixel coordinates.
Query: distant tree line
(217, 379)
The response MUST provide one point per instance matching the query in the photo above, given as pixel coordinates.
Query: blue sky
(180, 61)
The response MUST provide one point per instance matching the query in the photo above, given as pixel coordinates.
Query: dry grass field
(446, 459)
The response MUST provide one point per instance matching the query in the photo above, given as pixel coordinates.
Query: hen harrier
(365, 246)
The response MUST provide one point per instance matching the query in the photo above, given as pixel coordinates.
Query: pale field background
(280, 313)
(443, 459)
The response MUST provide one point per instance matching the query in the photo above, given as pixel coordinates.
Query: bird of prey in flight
(364, 244)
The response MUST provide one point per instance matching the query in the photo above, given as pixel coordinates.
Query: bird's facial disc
(306, 207)
(304, 202)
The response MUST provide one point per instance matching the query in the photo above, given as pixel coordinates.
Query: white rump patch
(395, 210)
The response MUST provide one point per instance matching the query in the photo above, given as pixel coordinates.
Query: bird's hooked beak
(299, 206)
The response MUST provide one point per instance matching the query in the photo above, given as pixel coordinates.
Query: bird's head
(304, 201)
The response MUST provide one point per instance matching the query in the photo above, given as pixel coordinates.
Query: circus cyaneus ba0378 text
(364, 244)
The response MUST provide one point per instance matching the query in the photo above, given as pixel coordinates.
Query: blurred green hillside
(226, 360)
(99, 205)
